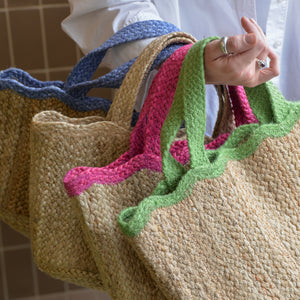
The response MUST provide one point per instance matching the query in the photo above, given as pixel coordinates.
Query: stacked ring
(261, 63)
(223, 42)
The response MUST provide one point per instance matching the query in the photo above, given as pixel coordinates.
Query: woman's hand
(241, 66)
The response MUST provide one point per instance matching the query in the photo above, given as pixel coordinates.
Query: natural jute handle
(123, 104)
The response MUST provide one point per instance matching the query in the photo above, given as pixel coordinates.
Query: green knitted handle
(189, 104)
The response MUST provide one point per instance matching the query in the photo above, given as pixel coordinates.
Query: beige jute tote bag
(227, 227)
(100, 194)
(16, 114)
(58, 144)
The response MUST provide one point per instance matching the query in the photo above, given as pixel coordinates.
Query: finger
(270, 72)
(235, 44)
(246, 58)
(251, 26)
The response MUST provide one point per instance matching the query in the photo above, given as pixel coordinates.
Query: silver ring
(223, 42)
(261, 63)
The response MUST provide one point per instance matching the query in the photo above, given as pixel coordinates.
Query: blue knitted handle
(75, 96)
(24, 84)
(114, 78)
(27, 80)
(87, 66)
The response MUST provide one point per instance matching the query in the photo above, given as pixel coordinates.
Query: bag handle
(122, 106)
(146, 134)
(188, 88)
(242, 110)
(114, 78)
(189, 105)
(21, 82)
(87, 66)
(159, 99)
(26, 79)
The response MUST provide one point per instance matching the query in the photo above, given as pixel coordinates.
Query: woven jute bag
(15, 114)
(100, 194)
(59, 144)
(22, 96)
(228, 226)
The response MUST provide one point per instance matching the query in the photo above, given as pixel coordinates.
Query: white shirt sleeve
(92, 22)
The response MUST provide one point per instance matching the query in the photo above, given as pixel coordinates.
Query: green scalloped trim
(277, 117)
(132, 220)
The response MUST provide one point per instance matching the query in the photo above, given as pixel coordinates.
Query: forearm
(92, 22)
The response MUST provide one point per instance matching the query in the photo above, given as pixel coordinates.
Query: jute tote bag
(22, 96)
(227, 227)
(100, 194)
(59, 143)
(124, 276)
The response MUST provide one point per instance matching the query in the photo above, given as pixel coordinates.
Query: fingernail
(250, 38)
(253, 21)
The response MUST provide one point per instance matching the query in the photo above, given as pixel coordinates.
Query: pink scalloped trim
(79, 179)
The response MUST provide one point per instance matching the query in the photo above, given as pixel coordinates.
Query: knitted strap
(190, 86)
(76, 97)
(267, 103)
(146, 134)
(27, 80)
(114, 78)
(189, 104)
(87, 66)
(74, 92)
(122, 106)
(154, 111)
(242, 111)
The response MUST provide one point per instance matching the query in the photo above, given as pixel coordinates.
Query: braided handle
(87, 66)
(242, 110)
(146, 134)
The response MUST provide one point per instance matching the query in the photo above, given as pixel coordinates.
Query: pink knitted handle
(145, 137)
(242, 111)
(157, 104)
(144, 152)
(159, 101)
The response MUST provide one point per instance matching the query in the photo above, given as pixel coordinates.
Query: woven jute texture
(233, 237)
(59, 144)
(124, 275)
(15, 117)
